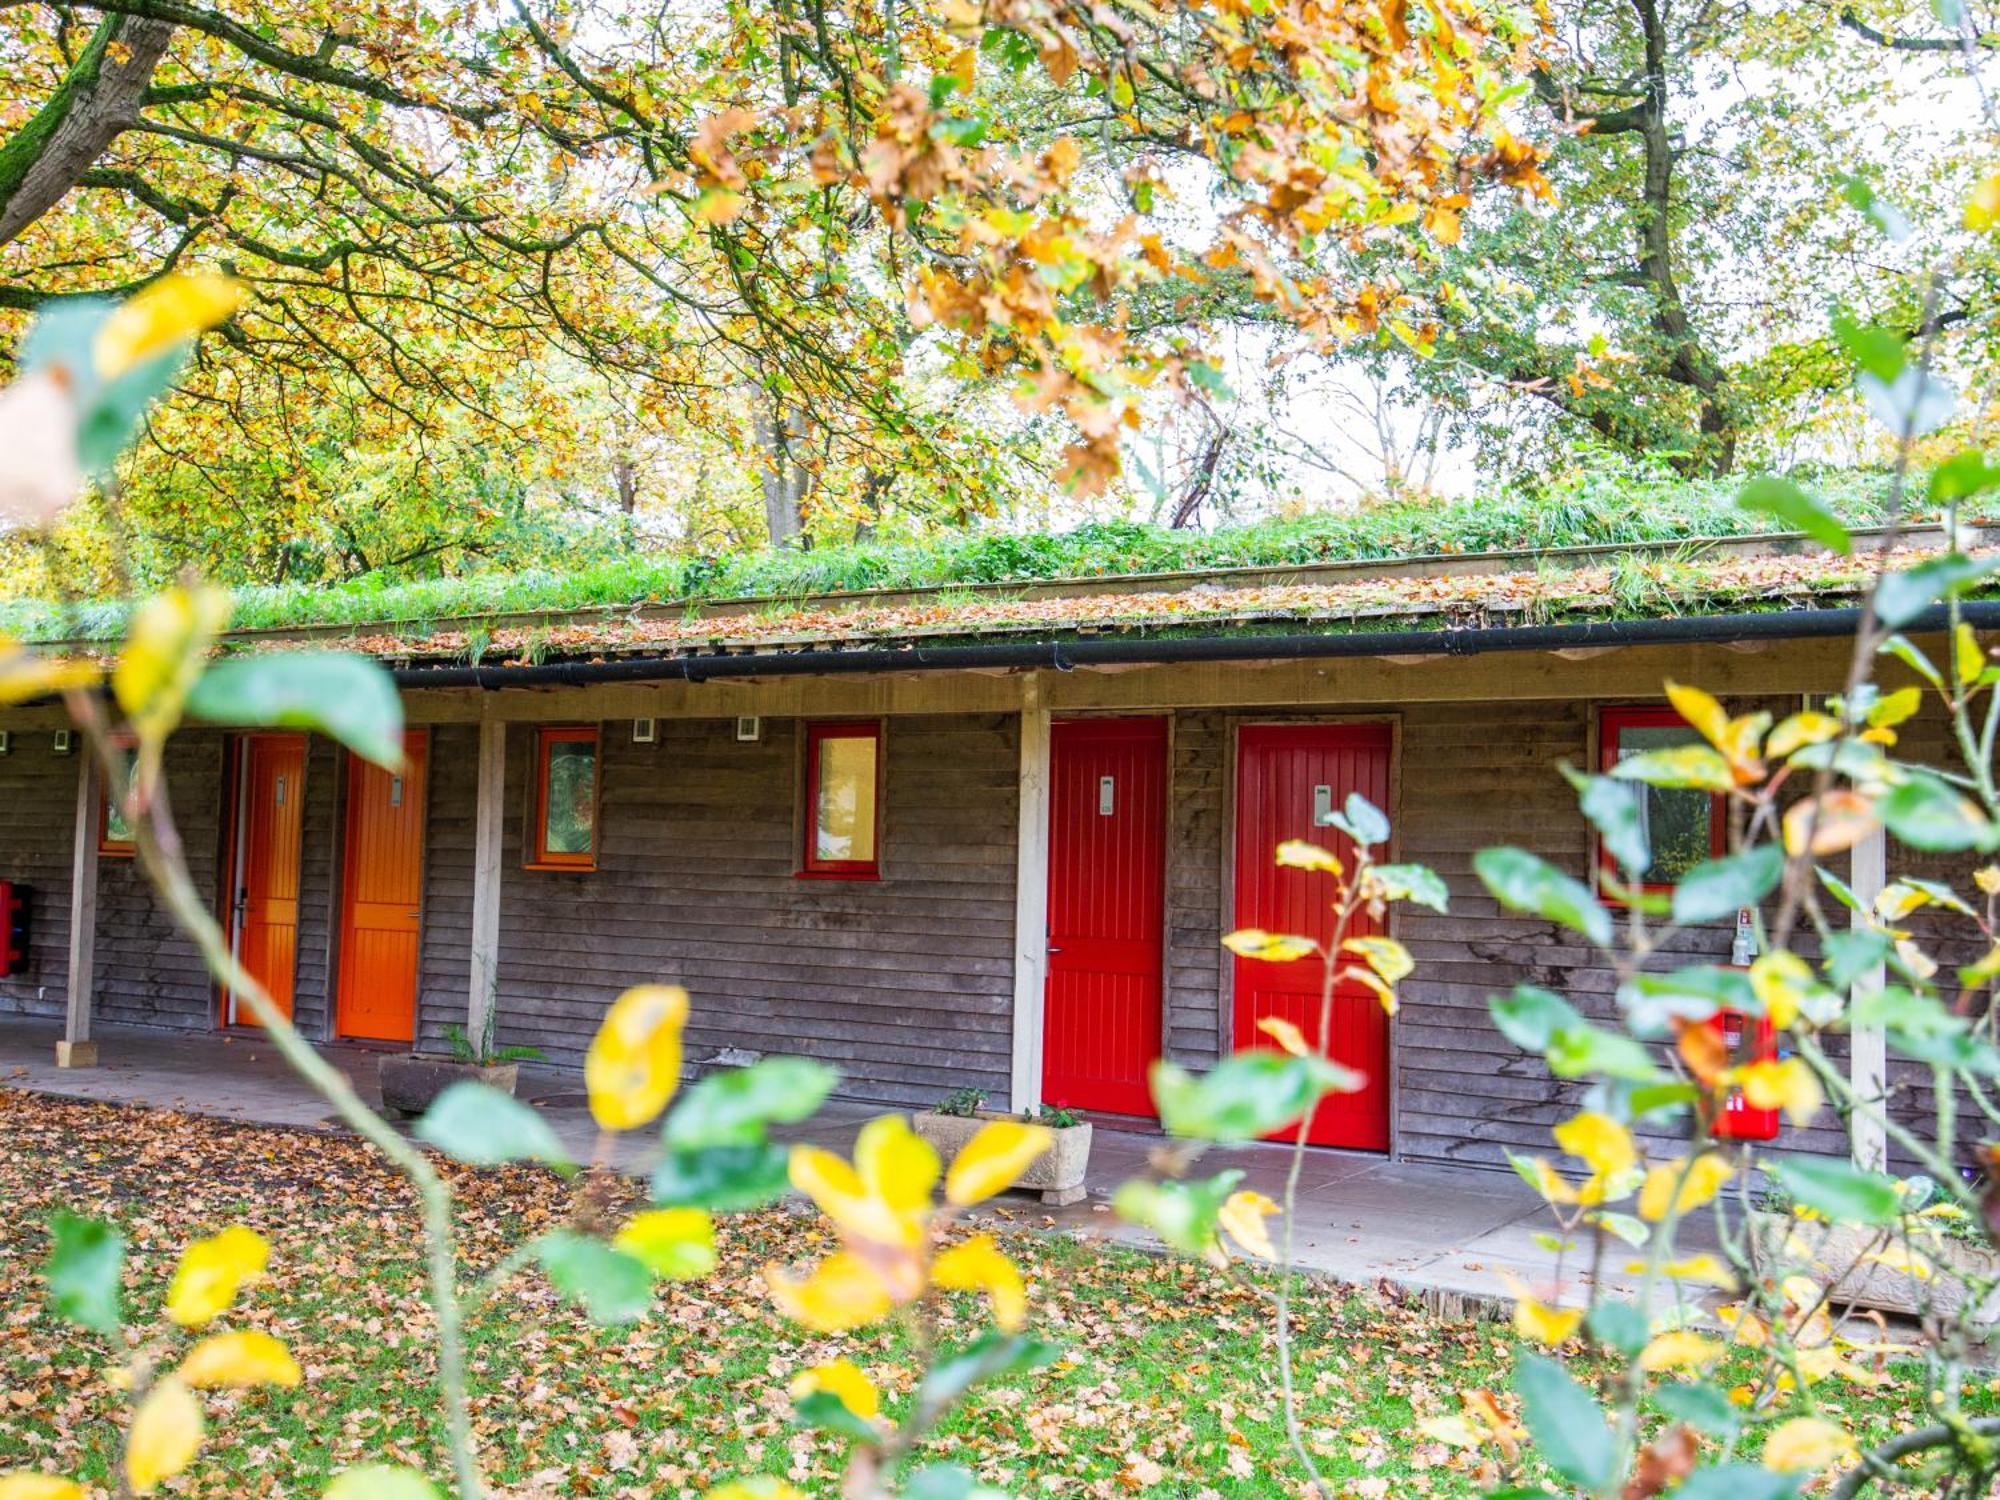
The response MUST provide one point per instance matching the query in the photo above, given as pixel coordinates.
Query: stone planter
(411, 1080)
(1057, 1174)
(1836, 1247)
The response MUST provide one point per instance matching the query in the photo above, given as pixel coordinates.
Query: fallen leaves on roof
(1634, 587)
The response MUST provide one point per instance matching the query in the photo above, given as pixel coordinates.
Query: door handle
(1054, 949)
(416, 916)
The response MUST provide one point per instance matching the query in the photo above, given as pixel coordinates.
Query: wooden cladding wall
(904, 983)
(37, 816)
(1194, 889)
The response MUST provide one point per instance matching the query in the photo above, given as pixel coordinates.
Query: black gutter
(1068, 655)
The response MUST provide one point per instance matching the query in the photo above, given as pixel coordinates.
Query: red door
(1287, 776)
(264, 907)
(381, 897)
(1107, 895)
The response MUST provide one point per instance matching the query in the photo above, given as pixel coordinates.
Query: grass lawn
(1166, 1387)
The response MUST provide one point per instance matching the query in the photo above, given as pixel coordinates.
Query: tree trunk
(787, 481)
(94, 104)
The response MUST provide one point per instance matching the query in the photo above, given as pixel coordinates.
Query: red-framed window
(114, 833)
(843, 802)
(1683, 826)
(562, 833)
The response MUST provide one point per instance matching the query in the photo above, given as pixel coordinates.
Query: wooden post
(1868, 1053)
(486, 830)
(76, 1049)
(1031, 898)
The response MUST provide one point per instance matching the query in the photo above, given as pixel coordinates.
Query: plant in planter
(412, 1080)
(1057, 1174)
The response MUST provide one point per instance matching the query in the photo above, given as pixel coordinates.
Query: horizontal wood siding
(1194, 889)
(37, 814)
(445, 975)
(904, 983)
(148, 972)
(318, 832)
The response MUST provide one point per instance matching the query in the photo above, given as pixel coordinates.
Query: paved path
(1445, 1234)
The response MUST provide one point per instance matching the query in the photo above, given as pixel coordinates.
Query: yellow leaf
(1543, 1324)
(212, 1271)
(1809, 727)
(1982, 211)
(1702, 1267)
(164, 653)
(1894, 708)
(1708, 717)
(1286, 1035)
(634, 1062)
(25, 675)
(1297, 854)
(21, 1485)
(756, 1487)
(165, 1436)
(380, 1482)
(718, 206)
(1675, 1186)
(841, 1293)
(838, 1190)
(1678, 1351)
(1806, 1443)
(977, 1265)
(896, 1164)
(1839, 820)
(1272, 947)
(991, 1161)
(677, 1243)
(1968, 660)
(1385, 956)
(1599, 1141)
(844, 1380)
(1374, 982)
(1547, 1181)
(1902, 1258)
(238, 1361)
(1243, 1214)
(1790, 1085)
(173, 310)
(1780, 981)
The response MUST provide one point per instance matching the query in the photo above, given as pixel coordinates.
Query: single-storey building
(987, 839)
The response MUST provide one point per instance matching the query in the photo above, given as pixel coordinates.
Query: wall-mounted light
(644, 731)
(6, 741)
(749, 728)
(65, 741)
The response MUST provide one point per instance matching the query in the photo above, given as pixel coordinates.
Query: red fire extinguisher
(1738, 1121)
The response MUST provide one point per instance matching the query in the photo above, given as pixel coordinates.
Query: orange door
(1289, 777)
(270, 784)
(381, 897)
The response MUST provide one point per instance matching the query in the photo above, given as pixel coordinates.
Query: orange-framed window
(1683, 826)
(114, 833)
(843, 800)
(563, 834)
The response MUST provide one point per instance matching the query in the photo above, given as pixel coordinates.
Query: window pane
(1675, 819)
(844, 800)
(571, 809)
(117, 830)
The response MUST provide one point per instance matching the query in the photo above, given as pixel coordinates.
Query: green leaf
(380, 1482)
(1700, 1405)
(1613, 810)
(1247, 1095)
(992, 1356)
(732, 1108)
(1901, 597)
(828, 1413)
(1619, 1326)
(1962, 476)
(1628, 1227)
(610, 1285)
(1361, 820)
(1879, 351)
(348, 697)
(1568, 1428)
(1781, 498)
(1715, 888)
(948, 1481)
(483, 1127)
(85, 1265)
(1879, 211)
(1738, 1482)
(1653, 1002)
(722, 1179)
(1904, 652)
(1843, 1192)
(1531, 1017)
(1694, 767)
(1916, 402)
(1418, 883)
(1181, 1213)
(1926, 812)
(1849, 955)
(1581, 1051)
(1521, 881)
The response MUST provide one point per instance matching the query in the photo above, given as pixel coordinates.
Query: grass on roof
(1582, 513)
